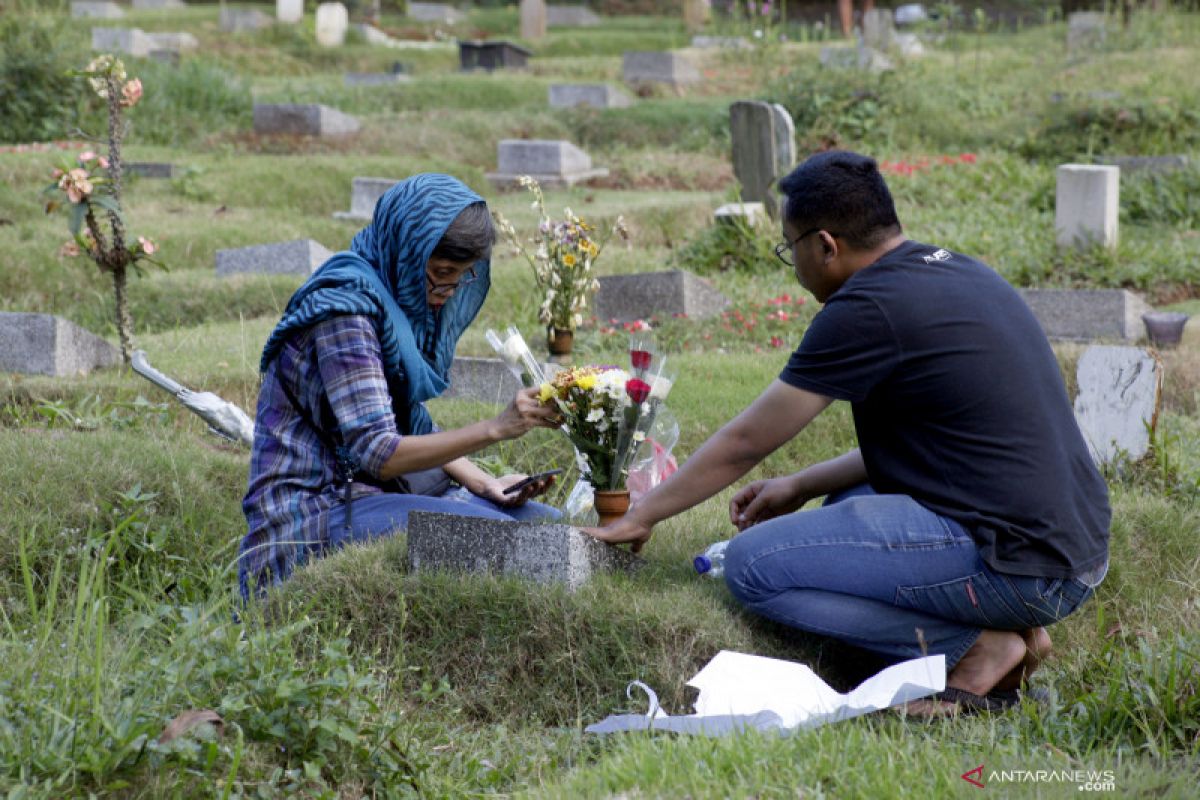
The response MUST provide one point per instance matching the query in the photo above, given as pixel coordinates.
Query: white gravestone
(533, 19)
(332, 23)
(1117, 405)
(289, 11)
(1086, 202)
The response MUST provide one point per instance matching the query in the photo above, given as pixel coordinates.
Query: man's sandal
(969, 703)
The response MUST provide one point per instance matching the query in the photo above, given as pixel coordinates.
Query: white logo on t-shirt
(940, 255)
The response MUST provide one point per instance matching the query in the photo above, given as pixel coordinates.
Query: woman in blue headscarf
(343, 446)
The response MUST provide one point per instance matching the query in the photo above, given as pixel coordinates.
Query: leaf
(78, 215)
(188, 720)
(107, 202)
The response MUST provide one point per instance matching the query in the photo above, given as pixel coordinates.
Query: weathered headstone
(1086, 204)
(297, 257)
(878, 28)
(658, 66)
(289, 11)
(173, 42)
(696, 14)
(855, 58)
(131, 41)
(533, 19)
(665, 294)
(749, 213)
(150, 169)
(42, 344)
(724, 42)
(364, 194)
(492, 55)
(1169, 163)
(373, 35)
(911, 14)
(486, 380)
(542, 553)
(375, 78)
(571, 17)
(554, 163)
(302, 119)
(434, 12)
(1088, 315)
(94, 9)
(1085, 29)
(242, 20)
(596, 95)
(764, 148)
(157, 5)
(1117, 406)
(332, 23)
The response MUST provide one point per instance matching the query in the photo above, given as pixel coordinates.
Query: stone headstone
(297, 257)
(131, 41)
(43, 344)
(554, 163)
(663, 294)
(658, 66)
(375, 78)
(749, 213)
(93, 9)
(542, 553)
(492, 55)
(372, 35)
(485, 380)
(243, 20)
(1088, 315)
(533, 19)
(696, 14)
(571, 17)
(434, 12)
(1085, 30)
(302, 119)
(332, 23)
(855, 58)
(764, 148)
(157, 5)
(911, 13)
(1086, 204)
(364, 194)
(1170, 163)
(150, 169)
(878, 28)
(724, 42)
(289, 11)
(178, 42)
(1117, 406)
(596, 95)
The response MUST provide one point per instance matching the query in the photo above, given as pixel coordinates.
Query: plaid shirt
(335, 372)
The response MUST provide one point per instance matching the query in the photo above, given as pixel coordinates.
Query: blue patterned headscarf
(382, 276)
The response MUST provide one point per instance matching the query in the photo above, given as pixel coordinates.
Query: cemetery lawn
(120, 516)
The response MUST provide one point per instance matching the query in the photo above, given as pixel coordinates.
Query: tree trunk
(124, 321)
(119, 256)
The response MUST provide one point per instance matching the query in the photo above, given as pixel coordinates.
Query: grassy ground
(121, 516)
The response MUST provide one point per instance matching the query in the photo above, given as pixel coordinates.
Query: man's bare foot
(1037, 650)
(993, 656)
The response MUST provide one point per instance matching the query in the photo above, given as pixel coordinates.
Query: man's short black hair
(843, 193)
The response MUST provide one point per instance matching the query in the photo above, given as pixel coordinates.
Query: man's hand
(626, 529)
(764, 500)
(493, 489)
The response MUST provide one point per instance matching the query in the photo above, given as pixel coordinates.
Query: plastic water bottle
(711, 563)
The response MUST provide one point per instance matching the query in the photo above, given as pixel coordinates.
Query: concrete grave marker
(542, 553)
(303, 120)
(662, 294)
(289, 11)
(1160, 164)
(243, 20)
(1117, 407)
(157, 5)
(533, 19)
(131, 41)
(750, 213)
(373, 35)
(150, 169)
(364, 194)
(1088, 315)
(554, 163)
(724, 42)
(596, 95)
(658, 66)
(492, 55)
(93, 9)
(297, 257)
(486, 380)
(879, 28)
(434, 12)
(1086, 205)
(696, 14)
(332, 23)
(375, 78)
(43, 344)
(859, 57)
(764, 149)
(1085, 30)
(571, 17)
(173, 42)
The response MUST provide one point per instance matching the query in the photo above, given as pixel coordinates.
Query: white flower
(595, 415)
(639, 436)
(660, 388)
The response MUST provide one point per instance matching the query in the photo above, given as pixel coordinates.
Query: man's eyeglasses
(447, 289)
(783, 250)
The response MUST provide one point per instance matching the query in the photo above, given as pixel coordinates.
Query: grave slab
(43, 344)
(658, 66)
(542, 553)
(131, 41)
(485, 380)
(1120, 389)
(289, 11)
(434, 12)
(1126, 164)
(296, 257)
(372, 35)
(333, 20)
(646, 294)
(90, 9)
(150, 169)
(176, 42)
(1086, 205)
(243, 20)
(364, 194)
(553, 163)
(352, 79)
(158, 5)
(750, 213)
(1088, 315)
(303, 120)
(571, 17)
(492, 55)
(855, 58)
(723, 42)
(596, 95)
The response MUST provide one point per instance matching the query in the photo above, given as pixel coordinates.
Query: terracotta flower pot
(611, 505)
(560, 341)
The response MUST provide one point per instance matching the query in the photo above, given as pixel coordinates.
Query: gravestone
(332, 23)
(1086, 203)
(664, 294)
(553, 163)
(1170, 163)
(1088, 315)
(156, 5)
(243, 20)
(131, 41)
(1120, 389)
(596, 95)
(372, 35)
(434, 12)
(723, 42)
(289, 11)
(492, 55)
(297, 257)
(542, 553)
(486, 380)
(749, 213)
(658, 66)
(85, 9)
(879, 28)
(764, 148)
(364, 194)
(172, 42)
(911, 14)
(859, 57)
(43, 344)
(1085, 30)
(696, 14)
(375, 78)
(150, 169)
(533, 19)
(571, 17)
(302, 119)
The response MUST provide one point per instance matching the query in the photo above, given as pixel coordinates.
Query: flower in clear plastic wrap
(516, 355)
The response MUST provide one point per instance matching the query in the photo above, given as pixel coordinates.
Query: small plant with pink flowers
(89, 188)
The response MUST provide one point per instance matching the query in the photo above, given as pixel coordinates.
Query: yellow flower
(547, 391)
(586, 381)
(569, 260)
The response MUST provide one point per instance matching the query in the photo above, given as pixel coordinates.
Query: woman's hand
(766, 499)
(493, 489)
(525, 413)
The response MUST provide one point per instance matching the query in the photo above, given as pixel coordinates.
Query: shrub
(186, 103)
(1077, 128)
(40, 100)
(832, 107)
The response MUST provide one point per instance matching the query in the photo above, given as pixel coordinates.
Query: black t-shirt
(959, 403)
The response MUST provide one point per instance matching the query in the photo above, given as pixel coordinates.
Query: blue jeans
(884, 573)
(384, 514)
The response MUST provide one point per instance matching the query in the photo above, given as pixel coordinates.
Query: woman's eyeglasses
(447, 289)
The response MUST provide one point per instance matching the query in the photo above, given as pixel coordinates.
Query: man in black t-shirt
(970, 516)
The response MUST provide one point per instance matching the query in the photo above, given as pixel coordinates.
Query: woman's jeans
(883, 573)
(384, 514)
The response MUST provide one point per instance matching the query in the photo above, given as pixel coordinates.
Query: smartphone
(516, 487)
